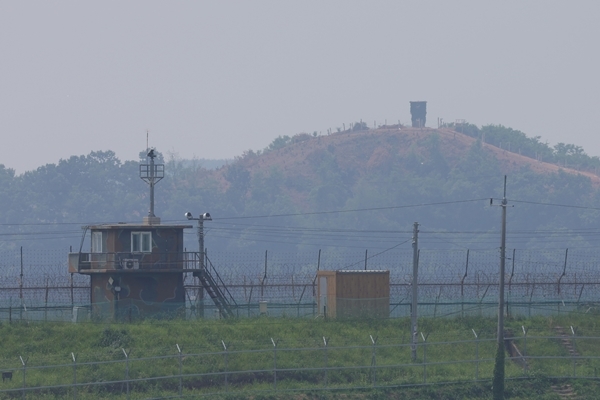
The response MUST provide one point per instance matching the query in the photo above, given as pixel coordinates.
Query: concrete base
(151, 220)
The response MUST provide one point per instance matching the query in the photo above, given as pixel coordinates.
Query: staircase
(566, 341)
(565, 391)
(209, 278)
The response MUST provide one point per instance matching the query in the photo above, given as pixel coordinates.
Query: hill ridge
(372, 148)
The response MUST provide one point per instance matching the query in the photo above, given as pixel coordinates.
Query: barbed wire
(42, 275)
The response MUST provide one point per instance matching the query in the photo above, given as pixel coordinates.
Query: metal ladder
(219, 295)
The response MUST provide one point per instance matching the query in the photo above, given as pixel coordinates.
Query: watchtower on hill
(418, 113)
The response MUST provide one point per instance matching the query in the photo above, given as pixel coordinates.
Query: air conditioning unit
(130, 263)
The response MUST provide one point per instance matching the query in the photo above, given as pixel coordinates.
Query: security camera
(206, 216)
(188, 215)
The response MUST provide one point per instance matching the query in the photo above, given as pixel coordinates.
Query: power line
(317, 213)
(555, 205)
(375, 255)
(305, 235)
(311, 229)
(49, 223)
(357, 209)
(291, 243)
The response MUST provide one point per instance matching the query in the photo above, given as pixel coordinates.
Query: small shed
(353, 293)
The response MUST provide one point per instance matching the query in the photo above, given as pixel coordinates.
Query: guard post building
(136, 270)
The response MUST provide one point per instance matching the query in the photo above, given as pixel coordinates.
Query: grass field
(306, 368)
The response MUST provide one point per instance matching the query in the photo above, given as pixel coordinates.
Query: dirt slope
(362, 150)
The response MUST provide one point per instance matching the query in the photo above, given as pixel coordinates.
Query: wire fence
(36, 284)
(461, 357)
(206, 309)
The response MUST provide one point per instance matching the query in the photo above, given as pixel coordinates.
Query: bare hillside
(361, 151)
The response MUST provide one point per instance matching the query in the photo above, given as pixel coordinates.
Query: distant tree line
(566, 155)
(46, 208)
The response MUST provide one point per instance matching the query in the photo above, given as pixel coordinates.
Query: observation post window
(97, 242)
(141, 242)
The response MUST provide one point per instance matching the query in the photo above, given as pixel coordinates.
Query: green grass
(299, 371)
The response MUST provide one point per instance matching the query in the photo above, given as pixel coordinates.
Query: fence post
(374, 360)
(250, 296)
(226, 362)
(72, 294)
(74, 376)
(46, 302)
(24, 362)
(274, 364)
(300, 301)
(325, 343)
(580, 293)
(21, 292)
(512, 273)
(262, 283)
(524, 349)
(574, 353)
(564, 271)
(476, 354)
(437, 299)
(462, 287)
(126, 371)
(314, 285)
(424, 356)
(21, 276)
(481, 301)
(180, 368)
(531, 298)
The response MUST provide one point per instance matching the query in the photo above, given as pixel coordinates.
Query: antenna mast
(152, 173)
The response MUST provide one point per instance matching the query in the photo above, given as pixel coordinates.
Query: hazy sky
(212, 79)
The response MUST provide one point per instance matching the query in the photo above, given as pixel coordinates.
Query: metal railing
(134, 261)
(222, 287)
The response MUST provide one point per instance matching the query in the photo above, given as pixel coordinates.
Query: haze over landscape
(267, 108)
(359, 188)
(213, 79)
(341, 234)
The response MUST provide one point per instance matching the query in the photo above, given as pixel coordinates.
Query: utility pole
(201, 218)
(201, 253)
(498, 383)
(415, 293)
